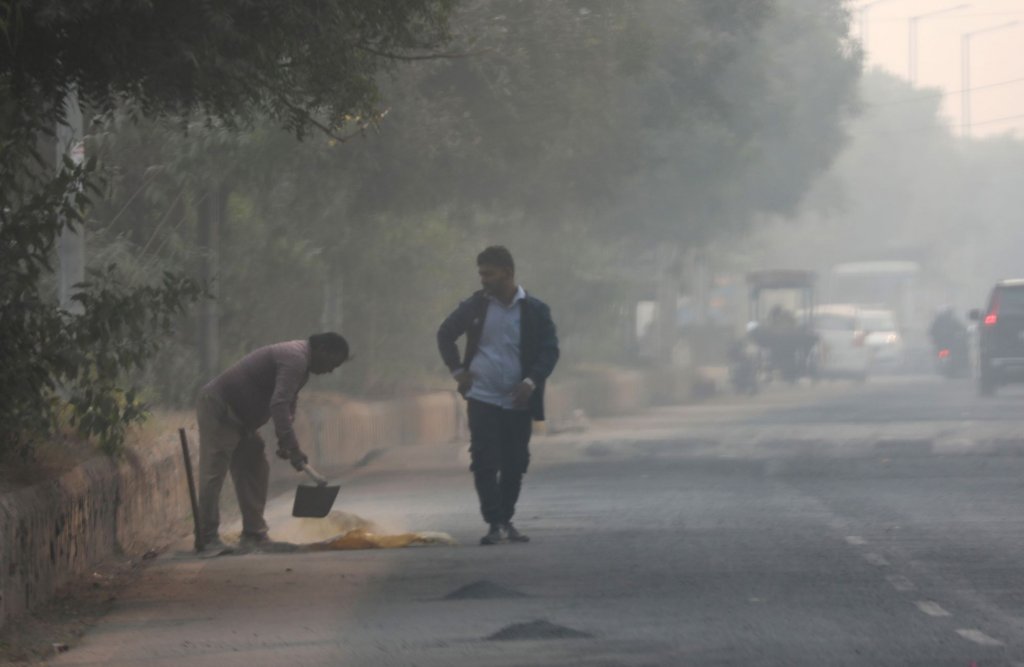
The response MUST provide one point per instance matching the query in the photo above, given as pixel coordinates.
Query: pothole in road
(537, 630)
(483, 590)
(904, 442)
(1005, 446)
(904, 446)
(790, 444)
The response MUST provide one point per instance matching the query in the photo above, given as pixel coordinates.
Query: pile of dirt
(362, 539)
(305, 531)
(341, 531)
(483, 590)
(537, 630)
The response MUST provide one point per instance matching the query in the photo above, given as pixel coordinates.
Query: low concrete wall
(337, 432)
(605, 392)
(54, 532)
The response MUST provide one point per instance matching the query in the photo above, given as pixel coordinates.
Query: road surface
(875, 524)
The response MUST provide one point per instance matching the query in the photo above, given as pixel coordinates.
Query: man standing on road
(264, 385)
(511, 349)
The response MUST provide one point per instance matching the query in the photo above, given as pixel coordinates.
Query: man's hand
(294, 456)
(464, 381)
(522, 393)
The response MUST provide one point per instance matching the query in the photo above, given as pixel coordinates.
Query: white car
(883, 339)
(842, 350)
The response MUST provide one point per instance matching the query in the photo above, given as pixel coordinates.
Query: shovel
(314, 501)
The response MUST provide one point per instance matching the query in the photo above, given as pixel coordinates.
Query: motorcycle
(951, 362)
(949, 340)
(744, 367)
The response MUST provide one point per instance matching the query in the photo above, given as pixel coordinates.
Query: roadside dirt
(34, 638)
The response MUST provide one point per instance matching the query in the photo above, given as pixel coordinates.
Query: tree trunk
(71, 241)
(211, 213)
(668, 302)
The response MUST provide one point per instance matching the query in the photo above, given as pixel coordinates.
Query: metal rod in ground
(191, 488)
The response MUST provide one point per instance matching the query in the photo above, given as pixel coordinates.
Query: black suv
(1001, 337)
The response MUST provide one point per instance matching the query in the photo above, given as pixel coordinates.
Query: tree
(304, 65)
(580, 133)
(592, 132)
(906, 187)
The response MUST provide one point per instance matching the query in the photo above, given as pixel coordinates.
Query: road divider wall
(54, 532)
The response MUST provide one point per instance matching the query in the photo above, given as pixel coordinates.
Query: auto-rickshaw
(785, 333)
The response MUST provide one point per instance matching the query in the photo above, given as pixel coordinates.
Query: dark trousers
(500, 454)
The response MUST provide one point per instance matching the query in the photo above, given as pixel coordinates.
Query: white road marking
(900, 583)
(856, 540)
(876, 559)
(932, 608)
(979, 637)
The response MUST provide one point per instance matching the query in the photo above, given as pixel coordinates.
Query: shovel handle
(314, 475)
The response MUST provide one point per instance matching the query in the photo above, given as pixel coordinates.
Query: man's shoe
(493, 536)
(255, 542)
(213, 548)
(514, 535)
(261, 543)
(254, 539)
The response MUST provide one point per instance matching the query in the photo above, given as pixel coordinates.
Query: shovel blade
(314, 501)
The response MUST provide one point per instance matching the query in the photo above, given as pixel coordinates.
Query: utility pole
(912, 37)
(965, 73)
(862, 13)
(71, 240)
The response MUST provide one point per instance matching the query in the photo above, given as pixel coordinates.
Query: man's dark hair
(496, 255)
(329, 342)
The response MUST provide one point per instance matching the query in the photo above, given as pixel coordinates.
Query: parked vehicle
(843, 351)
(883, 339)
(1001, 337)
(896, 286)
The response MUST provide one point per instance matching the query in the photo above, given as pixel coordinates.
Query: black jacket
(538, 347)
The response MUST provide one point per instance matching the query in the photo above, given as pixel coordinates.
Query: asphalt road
(875, 524)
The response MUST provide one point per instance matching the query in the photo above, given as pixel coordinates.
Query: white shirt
(497, 367)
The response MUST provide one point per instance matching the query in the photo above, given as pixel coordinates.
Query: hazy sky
(997, 58)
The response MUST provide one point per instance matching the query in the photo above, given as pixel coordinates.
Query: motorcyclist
(946, 330)
(787, 343)
(949, 337)
(781, 320)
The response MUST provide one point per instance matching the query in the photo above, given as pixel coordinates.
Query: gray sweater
(265, 384)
